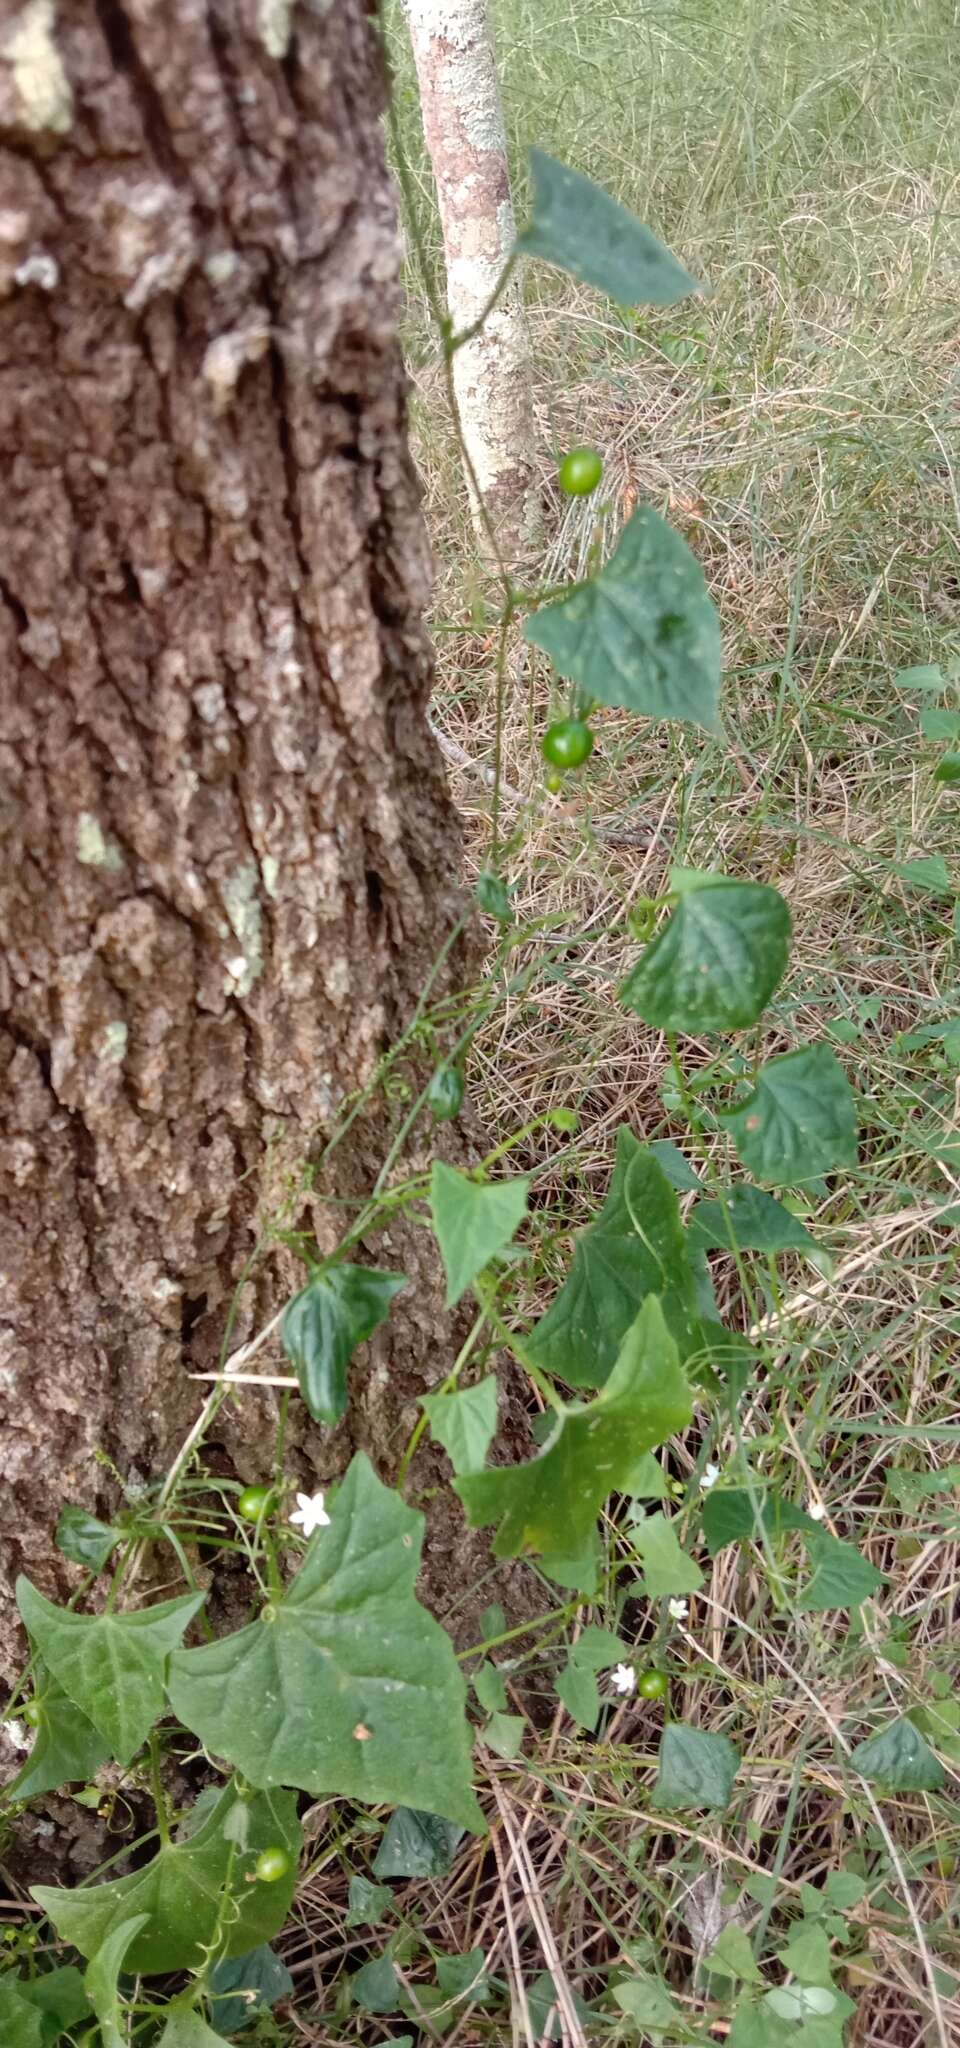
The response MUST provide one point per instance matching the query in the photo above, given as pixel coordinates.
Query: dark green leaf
(346, 1685)
(323, 1324)
(581, 1573)
(187, 2029)
(416, 1845)
(555, 1500)
(636, 1247)
(667, 1569)
(367, 1903)
(598, 1648)
(844, 1889)
(59, 1998)
(580, 228)
(748, 1220)
(807, 1954)
(732, 1956)
(83, 1539)
(801, 1119)
(947, 770)
(464, 1422)
(643, 634)
(111, 1665)
(715, 963)
(648, 2005)
(490, 1689)
(676, 1166)
(493, 897)
(461, 1977)
(504, 1734)
(376, 1987)
(541, 2001)
(177, 1898)
(472, 1221)
(577, 1688)
(100, 1982)
(841, 1577)
(753, 2028)
(242, 1986)
(728, 1517)
(68, 1748)
(19, 2023)
(696, 1769)
(899, 1757)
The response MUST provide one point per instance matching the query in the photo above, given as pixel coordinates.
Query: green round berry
(653, 1685)
(553, 782)
(271, 1865)
(568, 743)
(254, 1501)
(580, 472)
(445, 1093)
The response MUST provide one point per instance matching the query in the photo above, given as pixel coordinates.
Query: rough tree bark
(464, 131)
(228, 848)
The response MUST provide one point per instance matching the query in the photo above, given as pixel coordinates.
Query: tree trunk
(466, 141)
(228, 846)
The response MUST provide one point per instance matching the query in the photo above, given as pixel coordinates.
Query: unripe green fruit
(253, 1502)
(653, 1685)
(580, 472)
(271, 1865)
(568, 743)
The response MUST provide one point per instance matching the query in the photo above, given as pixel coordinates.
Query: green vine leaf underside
(580, 228)
(472, 1221)
(800, 1121)
(643, 634)
(345, 1685)
(179, 1895)
(636, 1247)
(111, 1665)
(552, 1503)
(716, 962)
(322, 1326)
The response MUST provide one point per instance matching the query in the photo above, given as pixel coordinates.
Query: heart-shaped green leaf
(464, 1422)
(177, 1899)
(578, 1689)
(729, 1517)
(667, 1569)
(112, 1666)
(644, 633)
(841, 1577)
(338, 1309)
(84, 1539)
(243, 1986)
(580, 228)
(636, 1247)
(901, 1758)
(346, 1685)
(747, 1219)
(552, 1503)
(416, 1844)
(472, 1221)
(696, 1769)
(800, 1121)
(716, 962)
(68, 1748)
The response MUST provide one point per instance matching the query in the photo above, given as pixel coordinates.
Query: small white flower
(677, 1610)
(816, 1511)
(711, 1474)
(624, 1678)
(16, 1733)
(310, 1513)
